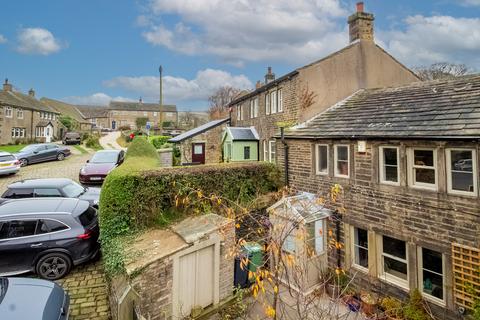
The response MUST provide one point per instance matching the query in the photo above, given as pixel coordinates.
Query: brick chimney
(7, 86)
(259, 84)
(269, 77)
(140, 100)
(361, 24)
(31, 93)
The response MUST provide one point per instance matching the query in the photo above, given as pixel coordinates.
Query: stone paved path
(86, 283)
(109, 141)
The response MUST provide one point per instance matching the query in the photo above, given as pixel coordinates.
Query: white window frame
(155, 114)
(420, 278)
(317, 159)
(268, 106)
(8, 112)
(19, 113)
(254, 108)
(474, 172)
(335, 155)
(273, 101)
(381, 159)
(412, 167)
(271, 155)
(238, 112)
(280, 100)
(354, 246)
(386, 276)
(319, 239)
(241, 112)
(265, 150)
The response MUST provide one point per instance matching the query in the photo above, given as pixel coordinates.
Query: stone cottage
(407, 158)
(309, 90)
(66, 109)
(172, 274)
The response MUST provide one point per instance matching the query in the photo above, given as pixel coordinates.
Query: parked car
(47, 236)
(51, 187)
(97, 168)
(72, 138)
(41, 152)
(8, 163)
(33, 299)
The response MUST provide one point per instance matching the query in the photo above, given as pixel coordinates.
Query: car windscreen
(73, 190)
(30, 148)
(105, 157)
(88, 217)
(6, 158)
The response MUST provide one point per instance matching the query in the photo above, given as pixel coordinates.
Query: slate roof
(18, 99)
(43, 123)
(65, 109)
(89, 112)
(441, 109)
(198, 130)
(137, 106)
(243, 134)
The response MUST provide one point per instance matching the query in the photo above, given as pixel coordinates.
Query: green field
(12, 148)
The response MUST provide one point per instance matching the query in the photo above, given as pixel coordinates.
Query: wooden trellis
(466, 273)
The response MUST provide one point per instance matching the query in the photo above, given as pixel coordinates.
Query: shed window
(315, 238)
(389, 170)
(462, 171)
(246, 153)
(423, 168)
(322, 159)
(342, 161)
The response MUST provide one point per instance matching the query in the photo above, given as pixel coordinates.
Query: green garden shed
(240, 144)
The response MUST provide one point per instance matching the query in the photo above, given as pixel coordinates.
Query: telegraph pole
(160, 70)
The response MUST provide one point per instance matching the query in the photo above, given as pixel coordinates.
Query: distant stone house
(65, 109)
(202, 145)
(24, 118)
(309, 90)
(97, 116)
(240, 144)
(125, 114)
(408, 160)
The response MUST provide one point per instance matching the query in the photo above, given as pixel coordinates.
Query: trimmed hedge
(140, 147)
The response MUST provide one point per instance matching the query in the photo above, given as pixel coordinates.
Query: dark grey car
(41, 152)
(51, 187)
(32, 299)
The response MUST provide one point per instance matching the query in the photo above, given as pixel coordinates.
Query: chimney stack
(269, 77)
(259, 84)
(140, 100)
(7, 86)
(31, 93)
(361, 24)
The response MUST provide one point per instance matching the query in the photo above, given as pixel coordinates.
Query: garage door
(196, 280)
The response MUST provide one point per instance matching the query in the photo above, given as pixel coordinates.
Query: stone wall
(166, 157)
(421, 218)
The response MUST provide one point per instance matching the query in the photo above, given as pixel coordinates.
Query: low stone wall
(166, 157)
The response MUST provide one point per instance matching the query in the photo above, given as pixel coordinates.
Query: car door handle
(36, 245)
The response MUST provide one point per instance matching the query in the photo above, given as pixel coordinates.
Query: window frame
(335, 160)
(420, 277)
(317, 158)
(8, 112)
(245, 148)
(381, 162)
(19, 113)
(265, 150)
(389, 277)
(316, 236)
(448, 159)
(270, 158)
(411, 169)
(268, 106)
(354, 246)
(273, 101)
(280, 100)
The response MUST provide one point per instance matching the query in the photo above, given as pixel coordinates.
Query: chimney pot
(31, 92)
(7, 86)
(270, 76)
(258, 84)
(140, 100)
(360, 6)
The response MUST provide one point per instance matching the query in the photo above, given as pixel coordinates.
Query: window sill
(360, 268)
(434, 300)
(424, 187)
(341, 176)
(321, 174)
(402, 284)
(389, 183)
(463, 194)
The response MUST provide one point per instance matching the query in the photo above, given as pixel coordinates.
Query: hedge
(140, 147)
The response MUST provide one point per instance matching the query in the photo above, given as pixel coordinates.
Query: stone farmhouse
(407, 158)
(309, 90)
(24, 118)
(65, 109)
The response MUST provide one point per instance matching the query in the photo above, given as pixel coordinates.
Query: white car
(8, 163)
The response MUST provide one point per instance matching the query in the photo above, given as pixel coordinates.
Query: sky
(92, 51)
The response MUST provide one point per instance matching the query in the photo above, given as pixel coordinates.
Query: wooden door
(198, 153)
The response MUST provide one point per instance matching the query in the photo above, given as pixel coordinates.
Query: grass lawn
(122, 142)
(13, 148)
(81, 149)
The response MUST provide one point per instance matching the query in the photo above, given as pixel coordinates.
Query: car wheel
(23, 162)
(60, 156)
(53, 266)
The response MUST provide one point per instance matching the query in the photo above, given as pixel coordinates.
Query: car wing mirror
(88, 161)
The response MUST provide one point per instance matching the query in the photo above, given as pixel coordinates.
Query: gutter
(359, 137)
(285, 147)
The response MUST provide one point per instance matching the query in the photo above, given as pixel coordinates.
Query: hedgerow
(140, 147)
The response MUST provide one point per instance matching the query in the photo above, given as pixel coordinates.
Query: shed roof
(18, 99)
(198, 130)
(302, 207)
(441, 109)
(243, 133)
(140, 106)
(65, 109)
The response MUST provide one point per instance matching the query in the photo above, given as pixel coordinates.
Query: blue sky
(91, 51)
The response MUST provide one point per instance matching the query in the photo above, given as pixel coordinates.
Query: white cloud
(470, 2)
(427, 40)
(253, 30)
(99, 99)
(178, 89)
(38, 41)
(2, 39)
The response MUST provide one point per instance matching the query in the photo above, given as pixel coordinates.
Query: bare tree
(187, 120)
(441, 70)
(219, 101)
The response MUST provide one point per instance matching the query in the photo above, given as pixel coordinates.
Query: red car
(97, 168)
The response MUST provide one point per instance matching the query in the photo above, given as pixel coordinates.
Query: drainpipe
(31, 126)
(338, 218)
(285, 148)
